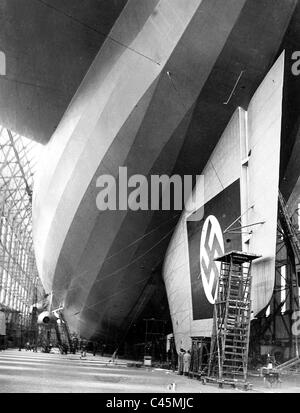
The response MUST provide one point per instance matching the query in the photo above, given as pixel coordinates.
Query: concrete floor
(28, 372)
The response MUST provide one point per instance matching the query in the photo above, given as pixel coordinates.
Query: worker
(74, 344)
(173, 359)
(269, 362)
(186, 362)
(95, 348)
(103, 349)
(83, 349)
(180, 361)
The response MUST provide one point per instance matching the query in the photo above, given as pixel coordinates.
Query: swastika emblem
(211, 246)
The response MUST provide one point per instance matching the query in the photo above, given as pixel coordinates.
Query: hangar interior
(182, 88)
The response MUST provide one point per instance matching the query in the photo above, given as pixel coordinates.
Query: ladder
(231, 322)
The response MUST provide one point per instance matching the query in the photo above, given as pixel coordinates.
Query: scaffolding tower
(231, 322)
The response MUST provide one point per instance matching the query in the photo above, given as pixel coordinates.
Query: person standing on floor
(95, 348)
(83, 349)
(180, 361)
(186, 362)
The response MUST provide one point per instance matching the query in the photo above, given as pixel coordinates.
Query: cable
(138, 282)
(126, 266)
(217, 174)
(112, 295)
(138, 258)
(109, 275)
(177, 91)
(123, 249)
(143, 236)
(10, 79)
(96, 30)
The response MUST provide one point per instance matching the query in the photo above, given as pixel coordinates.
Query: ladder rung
(237, 318)
(237, 323)
(235, 347)
(234, 360)
(240, 305)
(234, 353)
(236, 334)
(238, 311)
(235, 304)
(241, 328)
(235, 373)
(242, 349)
(232, 368)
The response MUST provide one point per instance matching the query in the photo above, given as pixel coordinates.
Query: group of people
(184, 362)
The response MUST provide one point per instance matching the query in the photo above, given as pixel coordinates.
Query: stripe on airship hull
(206, 241)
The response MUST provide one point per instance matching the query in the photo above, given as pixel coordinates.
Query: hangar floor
(28, 372)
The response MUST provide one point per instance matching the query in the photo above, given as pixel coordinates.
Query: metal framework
(20, 286)
(272, 330)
